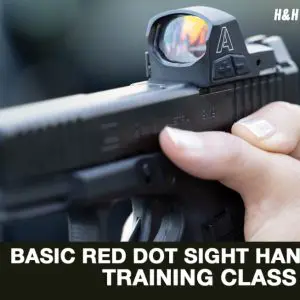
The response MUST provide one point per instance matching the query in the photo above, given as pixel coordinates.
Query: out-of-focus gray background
(53, 48)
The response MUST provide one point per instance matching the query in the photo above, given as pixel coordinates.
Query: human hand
(259, 160)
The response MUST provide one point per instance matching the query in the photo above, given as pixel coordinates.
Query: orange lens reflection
(194, 30)
(184, 39)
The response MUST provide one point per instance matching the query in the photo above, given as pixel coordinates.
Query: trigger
(130, 228)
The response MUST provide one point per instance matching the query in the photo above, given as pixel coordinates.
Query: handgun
(84, 153)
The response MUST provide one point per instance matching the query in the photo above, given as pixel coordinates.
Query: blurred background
(54, 48)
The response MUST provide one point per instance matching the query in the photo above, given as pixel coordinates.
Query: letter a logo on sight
(224, 41)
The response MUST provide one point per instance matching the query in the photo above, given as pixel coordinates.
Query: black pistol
(85, 153)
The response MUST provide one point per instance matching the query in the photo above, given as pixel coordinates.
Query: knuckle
(283, 106)
(233, 150)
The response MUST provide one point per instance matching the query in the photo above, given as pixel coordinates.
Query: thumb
(217, 156)
(275, 128)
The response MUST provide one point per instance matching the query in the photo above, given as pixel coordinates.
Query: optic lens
(183, 39)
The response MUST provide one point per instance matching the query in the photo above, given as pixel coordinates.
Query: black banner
(121, 266)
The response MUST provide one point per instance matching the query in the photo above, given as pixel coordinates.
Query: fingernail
(260, 128)
(184, 139)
